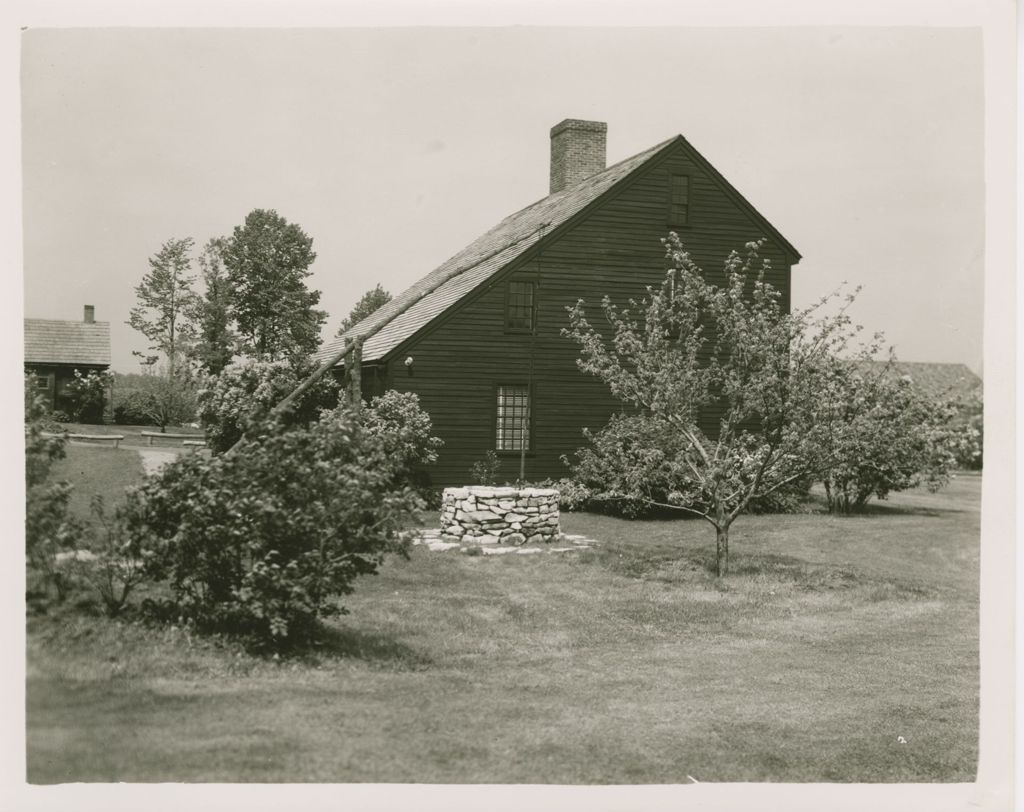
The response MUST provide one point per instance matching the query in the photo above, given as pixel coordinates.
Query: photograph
(523, 405)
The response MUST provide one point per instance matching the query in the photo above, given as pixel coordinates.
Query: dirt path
(154, 459)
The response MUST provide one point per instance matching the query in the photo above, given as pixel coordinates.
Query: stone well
(483, 515)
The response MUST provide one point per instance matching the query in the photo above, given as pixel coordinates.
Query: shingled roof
(50, 341)
(486, 256)
(937, 380)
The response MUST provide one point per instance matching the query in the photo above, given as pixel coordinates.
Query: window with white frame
(513, 423)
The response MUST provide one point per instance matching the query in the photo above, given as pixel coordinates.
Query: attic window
(519, 306)
(679, 200)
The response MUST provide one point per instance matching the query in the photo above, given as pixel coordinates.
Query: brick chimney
(90, 314)
(578, 151)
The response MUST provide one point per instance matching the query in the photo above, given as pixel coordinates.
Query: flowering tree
(724, 383)
(87, 395)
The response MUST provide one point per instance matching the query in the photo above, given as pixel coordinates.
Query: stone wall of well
(482, 515)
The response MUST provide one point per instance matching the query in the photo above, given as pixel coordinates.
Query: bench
(186, 439)
(117, 438)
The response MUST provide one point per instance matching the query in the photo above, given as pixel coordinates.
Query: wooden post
(355, 375)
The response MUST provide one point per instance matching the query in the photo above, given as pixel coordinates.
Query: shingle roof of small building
(49, 341)
(938, 380)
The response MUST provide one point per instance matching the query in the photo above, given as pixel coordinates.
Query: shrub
(403, 430)
(967, 429)
(243, 394)
(791, 498)
(87, 396)
(262, 542)
(485, 471)
(49, 527)
(109, 563)
(154, 399)
(883, 435)
(630, 455)
(572, 496)
(132, 408)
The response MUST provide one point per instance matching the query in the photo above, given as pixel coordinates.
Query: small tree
(369, 304)
(878, 434)
(723, 372)
(267, 262)
(166, 299)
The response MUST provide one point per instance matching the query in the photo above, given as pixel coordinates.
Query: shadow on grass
(379, 650)
(698, 567)
(817, 504)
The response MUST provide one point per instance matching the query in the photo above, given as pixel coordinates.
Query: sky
(394, 148)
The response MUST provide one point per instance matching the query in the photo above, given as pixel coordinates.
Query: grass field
(832, 639)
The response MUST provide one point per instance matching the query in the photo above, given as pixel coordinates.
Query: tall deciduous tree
(215, 339)
(369, 304)
(165, 300)
(267, 261)
(698, 349)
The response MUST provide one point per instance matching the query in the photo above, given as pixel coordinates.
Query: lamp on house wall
(408, 364)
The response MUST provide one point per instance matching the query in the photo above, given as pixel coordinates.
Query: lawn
(630, 663)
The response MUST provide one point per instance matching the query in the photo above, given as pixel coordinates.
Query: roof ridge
(66, 321)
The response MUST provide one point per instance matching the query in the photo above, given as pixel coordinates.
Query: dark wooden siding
(616, 251)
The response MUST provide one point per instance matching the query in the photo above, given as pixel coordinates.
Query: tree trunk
(722, 550)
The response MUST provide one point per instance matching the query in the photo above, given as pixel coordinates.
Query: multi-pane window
(513, 430)
(679, 200)
(519, 306)
(42, 381)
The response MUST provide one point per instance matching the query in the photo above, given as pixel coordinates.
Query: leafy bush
(243, 394)
(882, 435)
(791, 498)
(109, 563)
(262, 542)
(154, 399)
(132, 408)
(87, 395)
(967, 428)
(49, 527)
(485, 471)
(572, 496)
(403, 429)
(632, 454)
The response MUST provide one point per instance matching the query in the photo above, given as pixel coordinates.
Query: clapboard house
(54, 349)
(478, 339)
